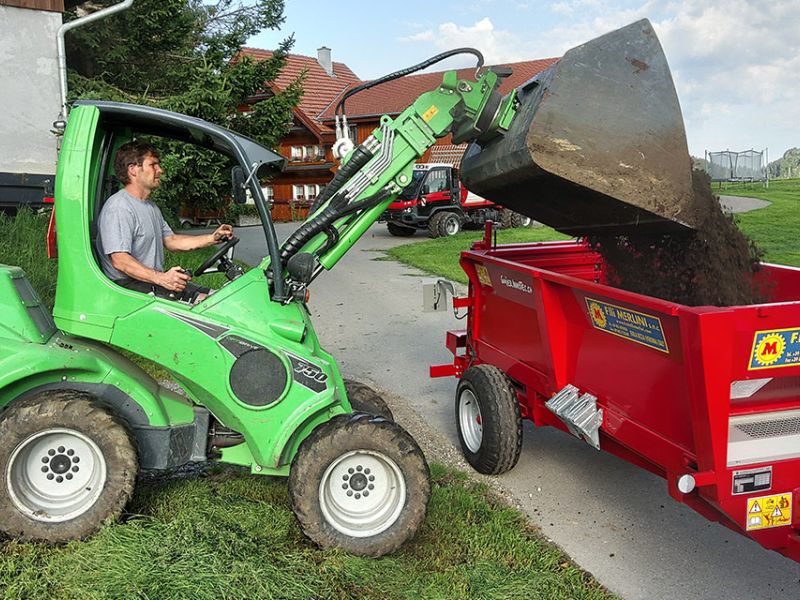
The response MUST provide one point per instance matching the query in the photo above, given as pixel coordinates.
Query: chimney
(324, 60)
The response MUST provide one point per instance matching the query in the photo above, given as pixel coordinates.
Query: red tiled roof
(449, 154)
(395, 96)
(319, 88)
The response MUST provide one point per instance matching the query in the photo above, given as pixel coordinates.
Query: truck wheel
(450, 224)
(488, 420)
(186, 224)
(433, 225)
(360, 483)
(518, 220)
(399, 230)
(67, 465)
(364, 399)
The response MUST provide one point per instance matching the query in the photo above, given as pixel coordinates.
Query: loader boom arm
(470, 110)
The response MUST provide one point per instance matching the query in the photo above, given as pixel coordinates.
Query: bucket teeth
(579, 413)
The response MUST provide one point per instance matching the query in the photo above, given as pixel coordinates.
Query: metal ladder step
(579, 413)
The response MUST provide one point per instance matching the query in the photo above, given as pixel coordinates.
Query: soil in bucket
(713, 265)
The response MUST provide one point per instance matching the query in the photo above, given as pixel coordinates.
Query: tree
(183, 55)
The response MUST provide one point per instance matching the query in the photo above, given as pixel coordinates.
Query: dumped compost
(713, 265)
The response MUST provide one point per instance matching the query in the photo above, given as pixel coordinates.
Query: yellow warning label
(430, 113)
(769, 511)
(483, 275)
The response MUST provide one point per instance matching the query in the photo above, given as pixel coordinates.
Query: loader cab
(87, 302)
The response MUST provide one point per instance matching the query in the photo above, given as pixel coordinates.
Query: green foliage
(233, 535)
(787, 166)
(183, 56)
(440, 256)
(23, 243)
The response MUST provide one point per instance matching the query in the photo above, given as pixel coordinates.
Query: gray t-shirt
(128, 224)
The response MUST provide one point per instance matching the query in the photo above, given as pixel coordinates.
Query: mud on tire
(488, 420)
(359, 483)
(364, 399)
(67, 465)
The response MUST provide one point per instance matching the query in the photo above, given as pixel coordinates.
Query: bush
(23, 242)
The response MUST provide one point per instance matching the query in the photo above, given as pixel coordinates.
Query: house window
(298, 193)
(312, 191)
(308, 153)
(297, 153)
(269, 193)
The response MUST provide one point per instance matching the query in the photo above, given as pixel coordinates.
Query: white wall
(29, 100)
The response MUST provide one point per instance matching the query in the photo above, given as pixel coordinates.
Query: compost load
(713, 265)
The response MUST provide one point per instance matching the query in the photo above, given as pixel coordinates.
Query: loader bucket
(597, 145)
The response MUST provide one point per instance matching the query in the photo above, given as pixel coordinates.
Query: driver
(132, 233)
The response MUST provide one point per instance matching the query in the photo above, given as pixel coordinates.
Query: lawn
(775, 230)
(229, 534)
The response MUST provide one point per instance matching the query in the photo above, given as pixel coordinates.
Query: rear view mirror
(237, 182)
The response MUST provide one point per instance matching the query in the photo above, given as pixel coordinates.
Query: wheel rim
(469, 420)
(525, 221)
(451, 226)
(55, 475)
(362, 493)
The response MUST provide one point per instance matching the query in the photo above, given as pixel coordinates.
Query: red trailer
(706, 397)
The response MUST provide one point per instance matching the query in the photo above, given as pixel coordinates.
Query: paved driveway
(613, 519)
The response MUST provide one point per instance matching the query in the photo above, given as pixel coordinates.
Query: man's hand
(174, 280)
(223, 232)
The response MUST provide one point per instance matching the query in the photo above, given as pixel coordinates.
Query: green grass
(440, 256)
(234, 536)
(775, 229)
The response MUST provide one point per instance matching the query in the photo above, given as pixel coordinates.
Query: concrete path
(615, 520)
(741, 204)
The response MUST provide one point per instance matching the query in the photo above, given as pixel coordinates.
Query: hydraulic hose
(407, 71)
(361, 156)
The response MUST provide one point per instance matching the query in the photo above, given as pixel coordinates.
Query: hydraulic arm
(373, 173)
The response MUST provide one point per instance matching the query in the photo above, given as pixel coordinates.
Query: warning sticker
(769, 511)
(430, 113)
(483, 275)
(630, 324)
(775, 348)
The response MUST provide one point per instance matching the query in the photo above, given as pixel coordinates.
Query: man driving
(132, 233)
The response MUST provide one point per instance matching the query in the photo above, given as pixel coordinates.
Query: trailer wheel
(488, 420)
(433, 225)
(450, 224)
(66, 467)
(399, 230)
(360, 483)
(364, 399)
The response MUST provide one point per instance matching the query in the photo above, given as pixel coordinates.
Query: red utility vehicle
(706, 397)
(437, 200)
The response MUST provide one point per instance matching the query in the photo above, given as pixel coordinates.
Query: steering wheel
(221, 251)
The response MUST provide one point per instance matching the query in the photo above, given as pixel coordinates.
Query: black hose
(407, 71)
(360, 157)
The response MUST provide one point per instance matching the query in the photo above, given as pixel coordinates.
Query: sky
(735, 63)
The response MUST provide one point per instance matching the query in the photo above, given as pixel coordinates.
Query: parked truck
(437, 200)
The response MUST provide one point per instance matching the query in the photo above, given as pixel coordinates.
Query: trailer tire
(449, 224)
(399, 230)
(433, 225)
(364, 399)
(68, 465)
(336, 469)
(488, 420)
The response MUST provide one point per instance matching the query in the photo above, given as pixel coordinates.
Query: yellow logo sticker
(430, 113)
(483, 275)
(597, 315)
(769, 511)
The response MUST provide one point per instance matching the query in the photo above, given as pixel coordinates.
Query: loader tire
(433, 225)
(67, 466)
(488, 420)
(400, 231)
(449, 224)
(507, 218)
(360, 483)
(364, 399)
